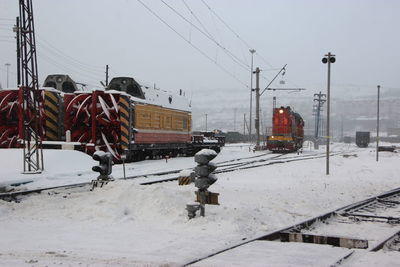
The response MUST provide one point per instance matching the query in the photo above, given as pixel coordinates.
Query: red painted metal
(93, 120)
(282, 122)
(8, 118)
(94, 116)
(12, 116)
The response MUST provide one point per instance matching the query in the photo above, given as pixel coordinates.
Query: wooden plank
(335, 241)
(211, 198)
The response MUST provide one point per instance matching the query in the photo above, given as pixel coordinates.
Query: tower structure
(29, 88)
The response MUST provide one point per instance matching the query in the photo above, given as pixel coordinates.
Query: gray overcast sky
(80, 37)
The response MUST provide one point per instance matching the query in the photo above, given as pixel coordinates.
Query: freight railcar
(127, 119)
(362, 139)
(287, 131)
(157, 122)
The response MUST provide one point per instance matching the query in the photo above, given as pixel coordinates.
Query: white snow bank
(60, 166)
(127, 224)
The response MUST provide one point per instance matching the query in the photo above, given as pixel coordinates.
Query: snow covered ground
(127, 224)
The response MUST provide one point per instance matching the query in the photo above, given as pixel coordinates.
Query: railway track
(365, 226)
(223, 167)
(278, 159)
(13, 196)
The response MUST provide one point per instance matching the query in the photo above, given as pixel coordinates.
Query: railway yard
(101, 165)
(264, 197)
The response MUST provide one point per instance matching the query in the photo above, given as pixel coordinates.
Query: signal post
(257, 121)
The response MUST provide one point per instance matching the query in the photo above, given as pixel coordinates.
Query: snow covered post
(204, 175)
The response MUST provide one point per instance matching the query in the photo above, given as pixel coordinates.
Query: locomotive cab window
(134, 90)
(51, 84)
(68, 87)
(114, 86)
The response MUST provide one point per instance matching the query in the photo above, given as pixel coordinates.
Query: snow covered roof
(148, 94)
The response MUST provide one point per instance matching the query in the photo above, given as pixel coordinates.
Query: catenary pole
(257, 122)
(377, 125)
(252, 51)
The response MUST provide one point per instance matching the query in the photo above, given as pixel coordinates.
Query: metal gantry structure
(377, 124)
(319, 100)
(29, 88)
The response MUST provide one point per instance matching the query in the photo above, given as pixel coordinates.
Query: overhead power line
(235, 33)
(191, 44)
(198, 20)
(46, 43)
(63, 61)
(226, 51)
(69, 69)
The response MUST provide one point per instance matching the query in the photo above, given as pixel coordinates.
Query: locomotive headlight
(281, 111)
(59, 79)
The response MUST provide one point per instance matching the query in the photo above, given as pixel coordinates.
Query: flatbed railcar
(287, 131)
(127, 119)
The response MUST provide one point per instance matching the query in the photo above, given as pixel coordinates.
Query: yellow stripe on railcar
(124, 104)
(52, 115)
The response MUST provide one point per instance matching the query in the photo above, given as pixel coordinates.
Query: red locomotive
(287, 131)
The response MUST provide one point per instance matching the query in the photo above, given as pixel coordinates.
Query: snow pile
(125, 223)
(60, 167)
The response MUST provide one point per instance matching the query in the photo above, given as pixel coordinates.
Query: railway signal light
(331, 60)
(104, 168)
(204, 169)
(204, 178)
(105, 164)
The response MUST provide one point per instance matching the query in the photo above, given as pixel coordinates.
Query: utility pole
(7, 66)
(17, 31)
(329, 58)
(341, 130)
(107, 75)
(273, 104)
(234, 119)
(252, 51)
(206, 122)
(257, 122)
(320, 99)
(377, 126)
(244, 124)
